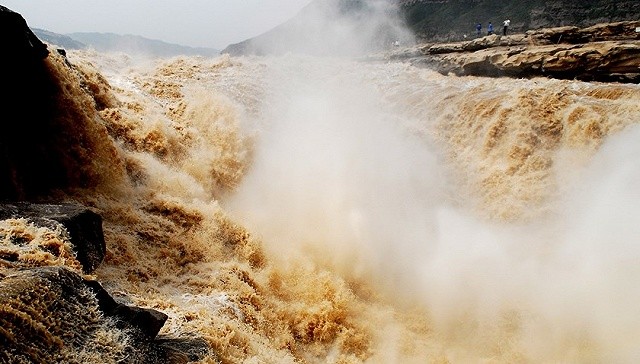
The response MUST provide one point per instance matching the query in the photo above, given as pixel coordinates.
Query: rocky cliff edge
(604, 52)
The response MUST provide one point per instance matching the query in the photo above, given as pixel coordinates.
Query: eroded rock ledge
(603, 52)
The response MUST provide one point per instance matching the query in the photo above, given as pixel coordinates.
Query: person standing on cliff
(505, 26)
(490, 29)
(478, 29)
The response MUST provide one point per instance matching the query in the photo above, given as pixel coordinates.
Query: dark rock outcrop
(147, 320)
(45, 315)
(53, 314)
(26, 102)
(18, 41)
(52, 140)
(83, 225)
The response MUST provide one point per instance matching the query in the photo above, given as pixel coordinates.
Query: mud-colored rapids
(293, 209)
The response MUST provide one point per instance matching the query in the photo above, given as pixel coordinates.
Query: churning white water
(317, 209)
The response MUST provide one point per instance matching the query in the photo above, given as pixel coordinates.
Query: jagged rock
(493, 40)
(147, 320)
(83, 225)
(613, 31)
(44, 314)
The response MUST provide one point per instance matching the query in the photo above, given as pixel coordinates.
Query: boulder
(83, 225)
(146, 320)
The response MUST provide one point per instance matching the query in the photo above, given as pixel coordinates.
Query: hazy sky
(198, 23)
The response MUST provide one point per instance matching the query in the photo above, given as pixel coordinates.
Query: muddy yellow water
(295, 209)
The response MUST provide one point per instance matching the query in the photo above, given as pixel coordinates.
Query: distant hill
(60, 40)
(430, 20)
(132, 44)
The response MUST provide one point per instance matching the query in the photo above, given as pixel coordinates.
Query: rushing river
(319, 210)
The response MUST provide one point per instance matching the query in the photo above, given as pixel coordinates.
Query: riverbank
(607, 52)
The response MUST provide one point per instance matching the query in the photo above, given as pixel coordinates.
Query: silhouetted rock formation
(24, 83)
(148, 321)
(20, 44)
(51, 139)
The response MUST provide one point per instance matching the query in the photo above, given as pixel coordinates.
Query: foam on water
(321, 210)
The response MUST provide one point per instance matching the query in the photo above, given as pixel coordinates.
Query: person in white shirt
(505, 26)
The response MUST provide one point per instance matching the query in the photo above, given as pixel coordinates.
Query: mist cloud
(337, 178)
(333, 28)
